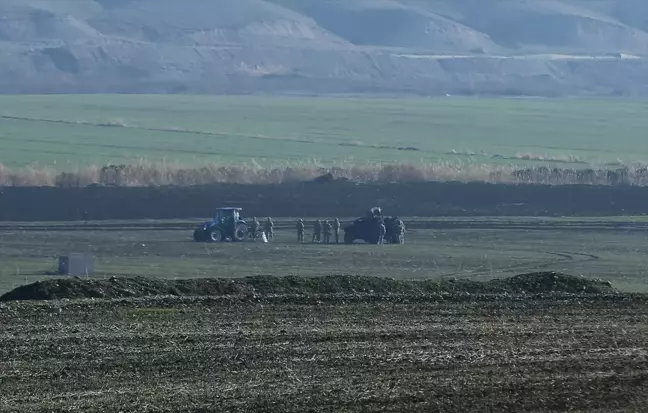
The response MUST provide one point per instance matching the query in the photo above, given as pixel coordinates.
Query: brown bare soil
(120, 287)
(300, 352)
(320, 199)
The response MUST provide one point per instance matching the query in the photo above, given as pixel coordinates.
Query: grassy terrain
(348, 353)
(72, 131)
(476, 248)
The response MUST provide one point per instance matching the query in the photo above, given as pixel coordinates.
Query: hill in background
(530, 47)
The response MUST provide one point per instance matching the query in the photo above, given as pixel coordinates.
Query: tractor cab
(228, 215)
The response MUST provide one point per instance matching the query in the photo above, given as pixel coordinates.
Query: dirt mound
(122, 287)
(549, 281)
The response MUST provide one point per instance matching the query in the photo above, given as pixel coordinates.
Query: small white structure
(76, 264)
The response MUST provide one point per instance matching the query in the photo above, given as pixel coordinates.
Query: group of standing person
(322, 231)
(267, 229)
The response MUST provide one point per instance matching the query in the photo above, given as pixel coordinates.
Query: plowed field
(319, 353)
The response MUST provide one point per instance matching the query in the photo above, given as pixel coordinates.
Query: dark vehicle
(227, 225)
(367, 229)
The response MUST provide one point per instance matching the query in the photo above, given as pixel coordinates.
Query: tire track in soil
(563, 257)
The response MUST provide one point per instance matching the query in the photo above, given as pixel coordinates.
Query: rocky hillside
(530, 47)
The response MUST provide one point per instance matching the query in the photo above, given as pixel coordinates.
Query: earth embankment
(127, 287)
(320, 199)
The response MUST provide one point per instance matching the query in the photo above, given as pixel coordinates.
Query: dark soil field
(425, 199)
(342, 352)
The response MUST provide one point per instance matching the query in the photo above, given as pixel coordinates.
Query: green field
(75, 130)
(476, 248)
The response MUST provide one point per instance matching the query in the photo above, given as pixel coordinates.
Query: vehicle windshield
(224, 214)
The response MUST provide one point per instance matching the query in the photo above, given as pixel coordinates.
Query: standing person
(374, 212)
(300, 230)
(269, 229)
(317, 231)
(400, 231)
(336, 230)
(383, 231)
(327, 232)
(254, 229)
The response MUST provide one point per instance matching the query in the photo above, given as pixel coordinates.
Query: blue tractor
(227, 225)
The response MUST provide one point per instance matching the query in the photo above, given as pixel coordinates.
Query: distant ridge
(325, 46)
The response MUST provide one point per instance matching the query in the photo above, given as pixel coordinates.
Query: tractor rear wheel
(215, 235)
(240, 233)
